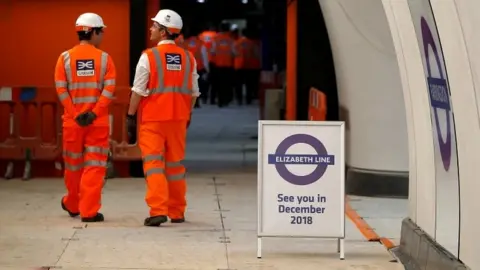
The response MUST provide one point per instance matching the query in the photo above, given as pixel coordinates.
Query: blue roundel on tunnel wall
(439, 95)
(444, 194)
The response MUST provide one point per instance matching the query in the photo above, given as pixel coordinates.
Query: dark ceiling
(211, 10)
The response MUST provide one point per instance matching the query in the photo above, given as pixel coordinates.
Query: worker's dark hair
(82, 35)
(169, 35)
(224, 27)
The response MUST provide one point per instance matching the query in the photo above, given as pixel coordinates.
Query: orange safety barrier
(121, 148)
(268, 80)
(31, 133)
(122, 151)
(317, 105)
(24, 137)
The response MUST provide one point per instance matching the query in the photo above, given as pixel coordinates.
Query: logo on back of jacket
(174, 61)
(85, 67)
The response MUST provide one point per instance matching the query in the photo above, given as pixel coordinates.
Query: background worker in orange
(247, 59)
(197, 47)
(208, 35)
(235, 32)
(222, 55)
(207, 38)
(85, 82)
(164, 90)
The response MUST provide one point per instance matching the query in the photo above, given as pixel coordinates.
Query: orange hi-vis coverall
(195, 46)
(163, 128)
(247, 54)
(207, 38)
(222, 51)
(85, 81)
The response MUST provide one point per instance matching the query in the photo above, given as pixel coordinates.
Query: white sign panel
(301, 179)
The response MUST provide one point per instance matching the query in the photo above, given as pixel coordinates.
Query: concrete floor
(384, 215)
(220, 232)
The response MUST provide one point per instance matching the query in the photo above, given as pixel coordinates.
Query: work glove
(86, 118)
(131, 125)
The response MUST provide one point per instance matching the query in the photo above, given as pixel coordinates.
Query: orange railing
(317, 105)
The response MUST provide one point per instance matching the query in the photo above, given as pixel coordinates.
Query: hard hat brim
(170, 29)
(103, 26)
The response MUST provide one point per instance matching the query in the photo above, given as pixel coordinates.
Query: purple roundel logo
(439, 93)
(321, 160)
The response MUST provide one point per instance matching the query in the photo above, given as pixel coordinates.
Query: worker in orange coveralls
(222, 57)
(165, 88)
(207, 37)
(197, 47)
(247, 62)
(85, 83)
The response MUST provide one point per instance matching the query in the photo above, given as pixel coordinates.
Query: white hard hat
(170, 19)
(233, 27)
(87, 21)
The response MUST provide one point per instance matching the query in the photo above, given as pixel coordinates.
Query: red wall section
(40, 30)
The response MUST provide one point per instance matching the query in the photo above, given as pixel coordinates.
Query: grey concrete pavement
(217, 138)
(384, 215)
(220, 232)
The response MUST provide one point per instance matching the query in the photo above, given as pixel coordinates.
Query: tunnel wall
(467, 59)
(441, 226)
(370, 97)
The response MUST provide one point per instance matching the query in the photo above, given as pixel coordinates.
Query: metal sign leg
(259, 247)
(341, 248)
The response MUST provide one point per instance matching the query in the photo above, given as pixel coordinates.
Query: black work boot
(97, 218)
(68, 211)
(177, 220)
(155, 221)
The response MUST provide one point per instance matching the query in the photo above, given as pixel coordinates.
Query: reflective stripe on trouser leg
(95, 167)
(157, 191)
(177, 187)
(73, 163)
